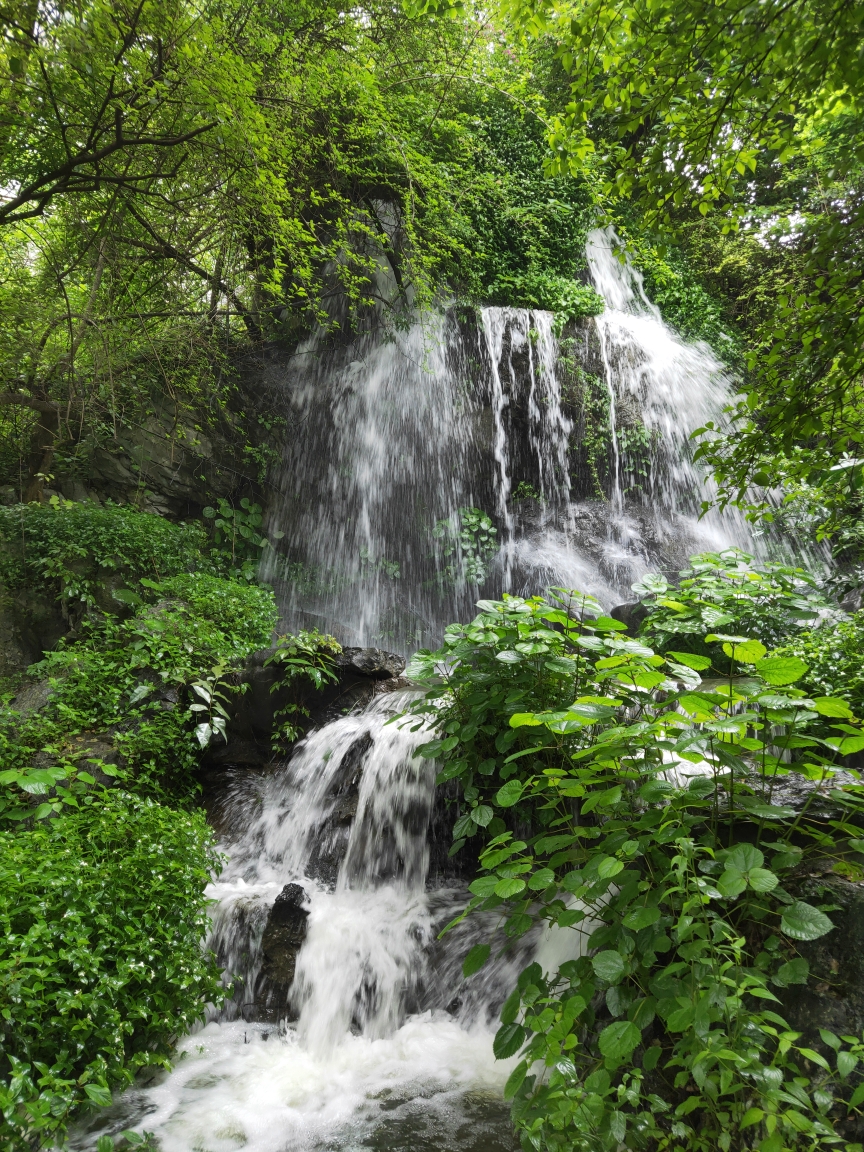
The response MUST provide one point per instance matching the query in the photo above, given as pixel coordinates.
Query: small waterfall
(378, 1042)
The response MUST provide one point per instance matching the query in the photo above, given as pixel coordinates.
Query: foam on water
(248, 1086)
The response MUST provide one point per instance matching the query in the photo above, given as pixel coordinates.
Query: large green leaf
(778, 670)
(618, 1040)
(609, 965)
(802, 921)
(475, 959)
(508, 1040)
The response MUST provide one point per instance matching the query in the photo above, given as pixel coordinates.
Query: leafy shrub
(134, 678)
(833, 655)
(244, 614)
(101, 965)
(308, 657)
(620, 796)
(569, 299)
(723, 593)
(74, 547)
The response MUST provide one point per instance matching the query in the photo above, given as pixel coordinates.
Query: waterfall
(384, 1040)
(389, 440)
(349, 1025)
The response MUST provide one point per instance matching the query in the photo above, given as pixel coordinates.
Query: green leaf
(483, 885)
(541, 879)
(690, 660)
(508, 888)
(482, 814)
(639, 918)
(509, 794)
(815, 1058)
(795, 971)
(510, 1007)
(731, 883)
(509, 657)
(609, 966)
(744, 857)
(751, 1116)
(747, 653)
(618, 1040)
(831, 706)
(508, 1040)
(762, 880)
(857, 1096)
(778, 670)
(475, 959)
(802, 921)
(609, 867)
(515, 1080)
(846, 1063)
(98, 1094)
(523, 719)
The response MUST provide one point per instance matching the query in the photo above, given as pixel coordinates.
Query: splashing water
(386, 1040)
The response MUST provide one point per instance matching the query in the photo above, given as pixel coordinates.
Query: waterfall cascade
(364, 1034)
(388, 441)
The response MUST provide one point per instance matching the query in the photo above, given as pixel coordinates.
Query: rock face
(361, 674)
(283, 936)
(834, 997)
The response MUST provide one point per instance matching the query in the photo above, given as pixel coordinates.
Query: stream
(362, 1034)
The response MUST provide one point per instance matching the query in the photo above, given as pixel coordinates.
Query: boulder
(630, 615)
(283, 936)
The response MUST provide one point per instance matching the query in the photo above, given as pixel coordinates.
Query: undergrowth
(627, 796)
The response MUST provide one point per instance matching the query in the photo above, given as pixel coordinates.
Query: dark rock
(853, 599)
(631, 615)
(371, 662)
(283, 936)
(331, 839)
(361, 674)
(834, 996)
(33, 696)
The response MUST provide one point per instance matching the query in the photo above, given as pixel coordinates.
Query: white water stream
(377, 1042)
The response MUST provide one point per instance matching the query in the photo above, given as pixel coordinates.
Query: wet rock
(283, 936)
(361, 674)
(853, 600)
(32, 697)
(371, 662)
(631, 615)
(833, 998)
(331, 839)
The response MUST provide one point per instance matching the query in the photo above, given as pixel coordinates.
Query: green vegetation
(628, 795)
(189, 187)
(103, 855)
(101, 966)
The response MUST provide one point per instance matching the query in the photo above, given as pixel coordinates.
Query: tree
(751, 113)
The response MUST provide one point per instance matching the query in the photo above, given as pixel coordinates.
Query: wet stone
(283, 936)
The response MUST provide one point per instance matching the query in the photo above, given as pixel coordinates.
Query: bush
(101, 965)
(726, 593)
(619, 795)
(75, 547)
(134, 679)
(832, 653)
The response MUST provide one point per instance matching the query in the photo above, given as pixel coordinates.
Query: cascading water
(349, 1025)
(389, 442)
(388, 1047)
